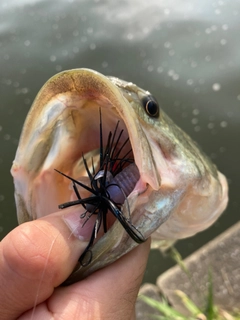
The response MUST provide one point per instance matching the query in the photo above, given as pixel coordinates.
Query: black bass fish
(106, 146)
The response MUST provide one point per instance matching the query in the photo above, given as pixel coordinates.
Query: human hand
(37, 256)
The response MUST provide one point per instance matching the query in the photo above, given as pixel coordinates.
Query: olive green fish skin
(179, 193)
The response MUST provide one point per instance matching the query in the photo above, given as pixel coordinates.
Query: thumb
(35, 258)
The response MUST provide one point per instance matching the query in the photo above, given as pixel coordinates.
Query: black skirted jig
(103, 186)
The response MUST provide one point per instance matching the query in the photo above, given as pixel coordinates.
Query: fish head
(177, 192)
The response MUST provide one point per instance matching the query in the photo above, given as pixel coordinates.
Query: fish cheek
(198, 211)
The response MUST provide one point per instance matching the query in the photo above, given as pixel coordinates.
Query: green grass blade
(189, 304)
(210, 308)
(175, 255)
(164, 308)
(159, 317)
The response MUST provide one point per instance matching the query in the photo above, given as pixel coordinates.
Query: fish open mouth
(83, 126)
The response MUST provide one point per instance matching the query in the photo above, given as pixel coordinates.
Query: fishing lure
(109, 188)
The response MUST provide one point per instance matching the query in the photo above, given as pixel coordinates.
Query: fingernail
(80, 227)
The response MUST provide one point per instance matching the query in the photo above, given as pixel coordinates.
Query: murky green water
(185, 52)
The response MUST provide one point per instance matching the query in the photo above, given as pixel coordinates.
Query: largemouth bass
(176, 191)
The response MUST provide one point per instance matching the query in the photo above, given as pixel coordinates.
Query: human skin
(37, 256)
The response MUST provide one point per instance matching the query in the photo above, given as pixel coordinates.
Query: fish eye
(151, 106)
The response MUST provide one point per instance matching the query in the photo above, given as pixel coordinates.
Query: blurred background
(185, 52)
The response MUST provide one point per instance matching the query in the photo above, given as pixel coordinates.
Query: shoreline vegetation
(208, 312)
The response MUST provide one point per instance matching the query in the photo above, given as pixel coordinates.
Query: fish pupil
(151, 106)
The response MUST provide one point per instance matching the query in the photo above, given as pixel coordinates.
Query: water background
(186, 52)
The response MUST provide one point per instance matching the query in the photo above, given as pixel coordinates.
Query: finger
(33, 262)
(109, 293)
(113, 292)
